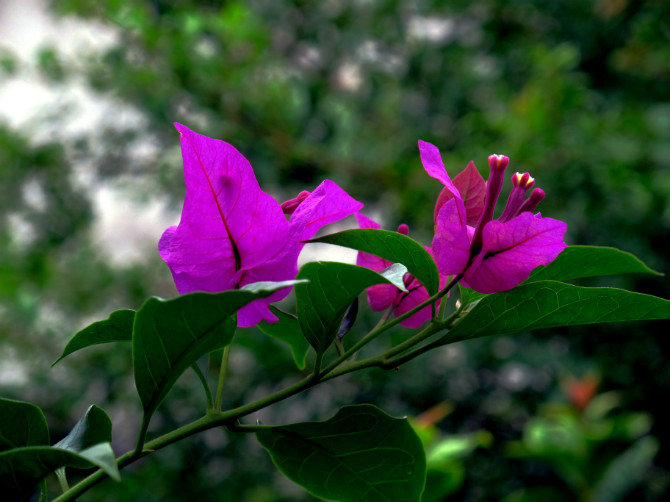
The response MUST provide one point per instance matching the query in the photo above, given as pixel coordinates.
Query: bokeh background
(577, 93)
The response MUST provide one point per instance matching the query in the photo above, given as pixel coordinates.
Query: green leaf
(323, 301)
(361, 454)
(26, 457)
(94, 427)
(91, 438)
(117, 328)
(391, 246)
(287, 329)
(21, 469)
(21, 424)
(577, 262)
(549, 304)
(170, 335)
(469, 295)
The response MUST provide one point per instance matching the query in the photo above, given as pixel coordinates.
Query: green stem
(142, 436)
(384, 360)
(217, 418)
(44, 496)
(339, 346)
(394, 363)
(222, 377)
(381, 328)
(209, 421)
(205, 385)
(62, 479)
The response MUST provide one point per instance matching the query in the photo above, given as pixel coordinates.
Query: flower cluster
(491, 255)
(231, 233)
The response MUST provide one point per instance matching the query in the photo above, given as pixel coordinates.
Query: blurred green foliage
(589, 449)
(576, 93)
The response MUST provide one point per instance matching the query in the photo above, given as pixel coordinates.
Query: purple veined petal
(408, 302)
(511, 250)
(382, 296)
(258, 310)
(472, 187)
(328, 203)
(432, 163)
(227, 223)
(283, 269)
(365, 222)
(451, 244)
(417, 295)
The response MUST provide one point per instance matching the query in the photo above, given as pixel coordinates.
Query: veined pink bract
(231, 233)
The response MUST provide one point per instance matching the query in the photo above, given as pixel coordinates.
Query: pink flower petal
(451, 244)
(513, 249)
(472, 187)
(227, 223)
(231, 233)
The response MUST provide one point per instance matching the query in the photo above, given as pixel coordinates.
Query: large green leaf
(323, 301)
(361, 454)
(117, 328)
(549, 304)
(21, 424)
(170, 335)
(391, 246)
(576, 262)
(287, 329)
(21, 469)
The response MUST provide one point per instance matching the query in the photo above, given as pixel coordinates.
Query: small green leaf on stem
(287, 329)
(117, 328)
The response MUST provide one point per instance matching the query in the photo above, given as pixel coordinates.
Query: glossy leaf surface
(94, 427)
(21, 469)
(332, 287)
(549, 304)
(361, 454)
(117, 328)
(21, 424)
(577, 262)
(391, 246)
(170, 335)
